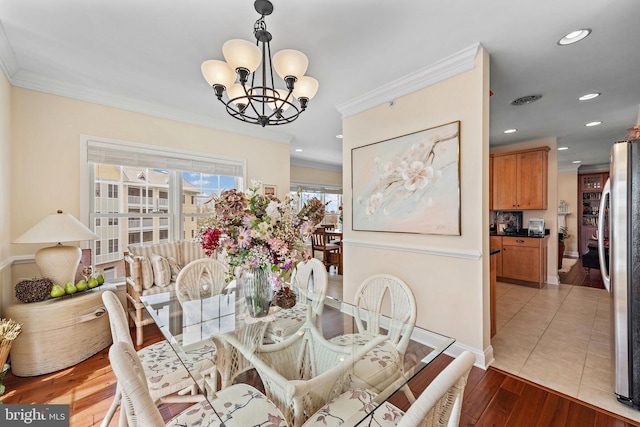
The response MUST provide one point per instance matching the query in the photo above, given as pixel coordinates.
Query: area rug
(567, 263)
(573, 273)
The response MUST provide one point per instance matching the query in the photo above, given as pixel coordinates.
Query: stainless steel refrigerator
(620, 210)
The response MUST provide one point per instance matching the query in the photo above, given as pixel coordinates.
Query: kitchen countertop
(523, 232)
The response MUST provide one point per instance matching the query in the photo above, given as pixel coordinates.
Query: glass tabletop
(222, 320)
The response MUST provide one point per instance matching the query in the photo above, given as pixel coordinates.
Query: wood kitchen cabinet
(495, 242)
(519, 179)
(524, 260)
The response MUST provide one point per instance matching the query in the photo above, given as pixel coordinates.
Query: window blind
(139, 155)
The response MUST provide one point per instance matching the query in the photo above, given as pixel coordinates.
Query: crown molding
(8, 61)
(33, 81)
(315, 165)
(437, 72)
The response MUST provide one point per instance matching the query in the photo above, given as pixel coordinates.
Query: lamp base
(59, 263)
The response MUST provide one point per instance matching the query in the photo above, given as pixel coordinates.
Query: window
(113, 246)
(160, 193)
(331, 197)
(113, 191)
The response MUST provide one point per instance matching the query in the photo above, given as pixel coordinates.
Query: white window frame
(174, 159)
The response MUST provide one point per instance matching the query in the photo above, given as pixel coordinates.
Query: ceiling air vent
(523, 100)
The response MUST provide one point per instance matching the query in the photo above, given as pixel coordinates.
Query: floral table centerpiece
(262, 239)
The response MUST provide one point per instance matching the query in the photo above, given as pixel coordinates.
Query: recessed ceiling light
(562, 148)
(511, 130)
(589, 96)
(574, 36)
(339, 136)
(577, 161)
(593, 124)
(298, 150)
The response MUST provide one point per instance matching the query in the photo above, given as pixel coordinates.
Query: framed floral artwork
(409, 184)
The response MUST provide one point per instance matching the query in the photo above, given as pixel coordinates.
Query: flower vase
(257, 291)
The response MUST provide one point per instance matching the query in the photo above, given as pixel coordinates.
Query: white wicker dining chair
(382, 301)
(439, 405)
(240, 405)
(201, 278)
(303, 372)
(309, 281)
(169, 380)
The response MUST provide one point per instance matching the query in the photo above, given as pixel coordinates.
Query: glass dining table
(317, 349)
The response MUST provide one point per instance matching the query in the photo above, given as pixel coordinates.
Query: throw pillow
(161, 270)
(147, 272)
(175, 268)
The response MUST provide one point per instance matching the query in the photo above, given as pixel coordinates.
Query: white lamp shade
(218, 72)
(235, 91)
(282, 94)
(59, 263)
(305, 87)
(289, 62)
(242, 54)
(56, 228)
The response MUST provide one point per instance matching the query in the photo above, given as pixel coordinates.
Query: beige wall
(568, 191)
(5, 184)
(44, 154)
(307, 175)
(550, 215)
(46, 151)
(448, 274)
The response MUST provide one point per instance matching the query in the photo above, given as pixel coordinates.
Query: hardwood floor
(492, 397)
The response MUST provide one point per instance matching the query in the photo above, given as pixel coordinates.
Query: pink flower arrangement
(253, 230)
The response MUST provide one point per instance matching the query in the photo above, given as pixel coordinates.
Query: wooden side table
(59, 333)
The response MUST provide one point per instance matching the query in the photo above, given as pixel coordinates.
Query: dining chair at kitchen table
(201, 278)
(168, 378)
(385, 363)
(439, 404)
(239, 405)
(319, 243)
(309, 281)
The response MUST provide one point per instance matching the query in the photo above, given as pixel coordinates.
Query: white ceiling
(145, 55)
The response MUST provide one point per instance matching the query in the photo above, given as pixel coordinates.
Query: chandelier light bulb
(289, 62)
(242, 54)
(218, 73)
(236, 91)
(306, 87)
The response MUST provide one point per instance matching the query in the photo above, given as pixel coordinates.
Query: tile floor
(559, 337)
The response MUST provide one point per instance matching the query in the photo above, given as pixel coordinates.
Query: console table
(58, 333)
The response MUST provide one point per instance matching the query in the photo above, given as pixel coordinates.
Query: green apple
(70, 288)
(93, 282)
(100, 279)
(81, 285)
(57, 291)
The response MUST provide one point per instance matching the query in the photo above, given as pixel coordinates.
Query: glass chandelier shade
(247, 78)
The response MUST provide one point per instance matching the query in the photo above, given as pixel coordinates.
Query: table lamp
(59, 263)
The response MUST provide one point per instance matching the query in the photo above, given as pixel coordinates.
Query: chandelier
(260, 101)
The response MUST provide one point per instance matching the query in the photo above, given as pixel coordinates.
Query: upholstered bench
(152, 269)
